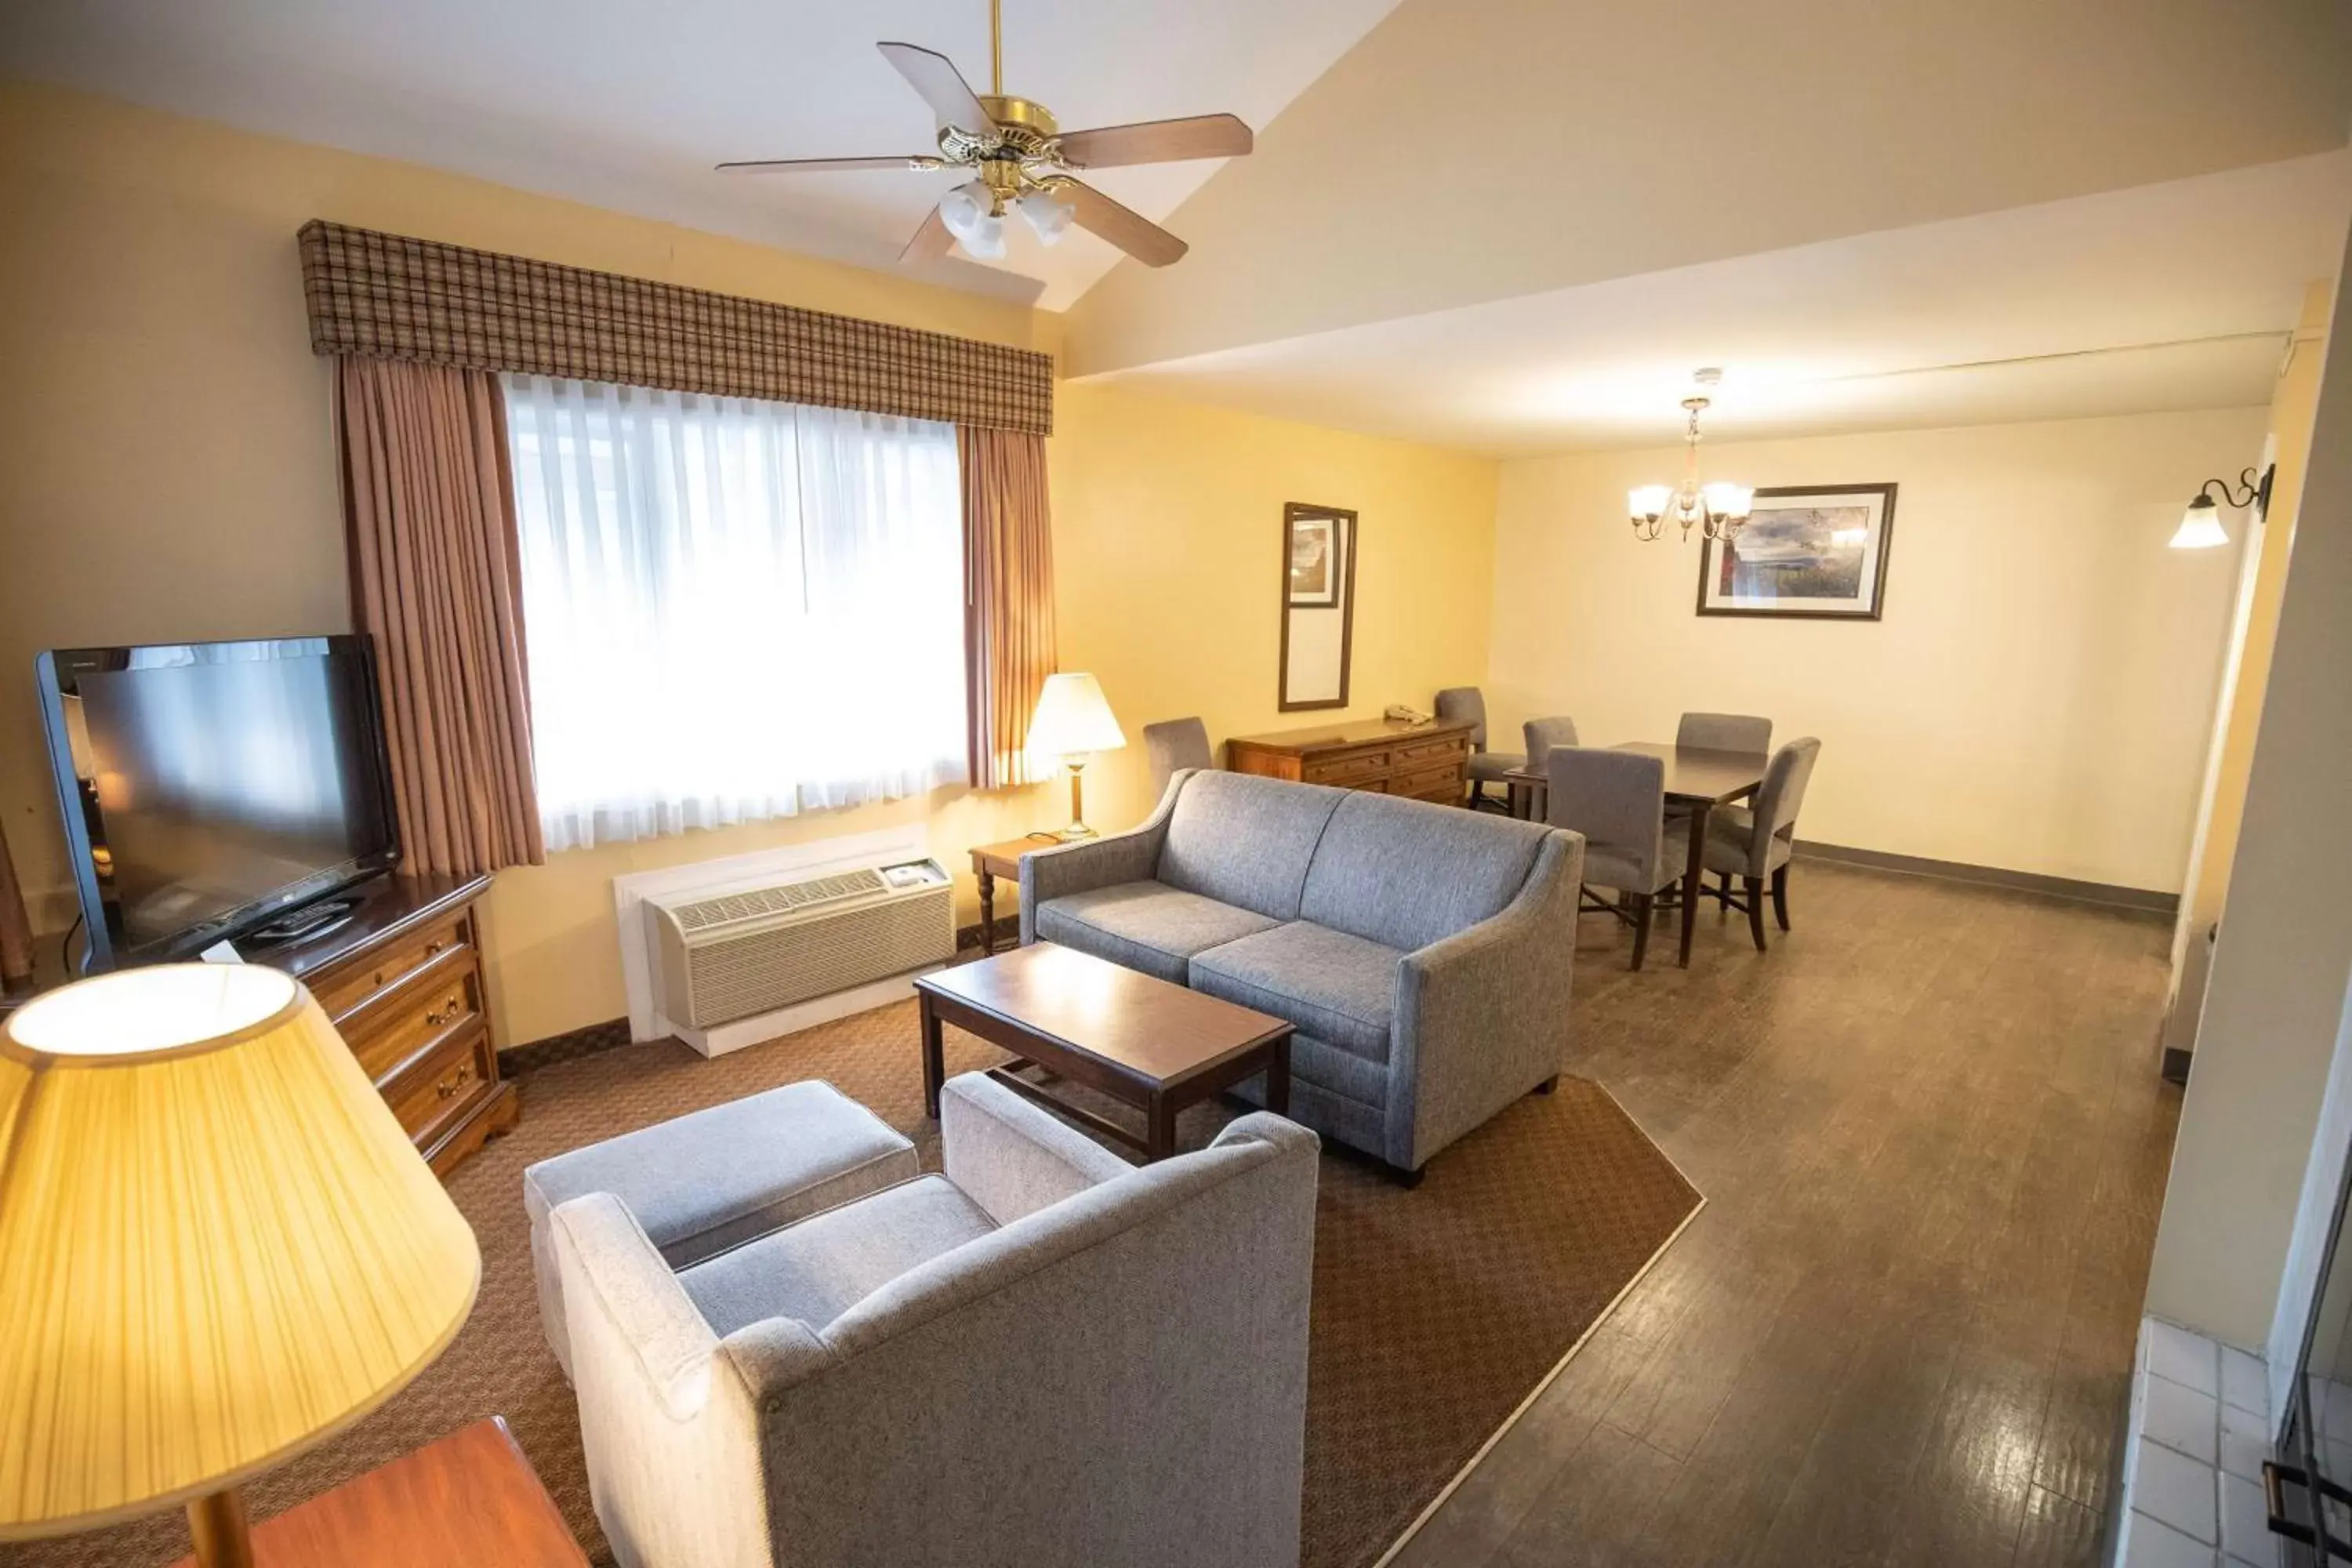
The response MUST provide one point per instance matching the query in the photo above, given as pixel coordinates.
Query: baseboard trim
(569, 1046)
(2144, 900)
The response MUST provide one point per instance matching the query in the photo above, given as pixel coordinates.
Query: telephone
(1399, 713)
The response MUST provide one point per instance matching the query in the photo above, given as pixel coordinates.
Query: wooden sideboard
(1424, 761)
(402, 981)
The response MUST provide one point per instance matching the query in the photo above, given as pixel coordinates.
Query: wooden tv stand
(402, 979)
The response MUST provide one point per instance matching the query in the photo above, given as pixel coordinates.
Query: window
(734, 609)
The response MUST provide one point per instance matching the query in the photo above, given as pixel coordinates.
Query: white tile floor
(2193, 1480)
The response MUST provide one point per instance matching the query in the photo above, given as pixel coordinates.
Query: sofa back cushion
(1407, 873)
(1244, 840)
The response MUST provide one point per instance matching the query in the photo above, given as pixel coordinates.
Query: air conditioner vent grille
(782, 899)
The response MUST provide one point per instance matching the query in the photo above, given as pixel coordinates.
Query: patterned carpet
(1436, 1310)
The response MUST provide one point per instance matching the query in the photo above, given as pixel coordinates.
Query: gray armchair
(1043, 1358)
(1756, 844)
(1617, 800)
(1176, 743)
(1423, 952)
(1460, 704)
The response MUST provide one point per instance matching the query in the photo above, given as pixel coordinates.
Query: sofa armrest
(613, 1275)
(1010, 1157)
(1090, 863)
(1482, 1016)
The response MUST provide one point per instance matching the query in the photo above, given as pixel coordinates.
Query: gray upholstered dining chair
(1543, 734)
(1174, 743)
(1459, 704)
(1618, 801)
(1724, 733)
(1755, 845)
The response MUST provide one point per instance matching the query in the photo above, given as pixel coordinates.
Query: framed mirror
(1319, 605)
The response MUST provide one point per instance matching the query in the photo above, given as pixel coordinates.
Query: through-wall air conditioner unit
(751, 951)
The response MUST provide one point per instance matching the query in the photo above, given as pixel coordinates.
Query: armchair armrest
(1482, 1015)
(623, 1295)
(1010, 1157)
(1089, 863)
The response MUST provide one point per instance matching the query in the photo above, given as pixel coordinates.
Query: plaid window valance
(388, 297)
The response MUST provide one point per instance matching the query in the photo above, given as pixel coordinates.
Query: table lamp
(220, 1248)
(1071, 722)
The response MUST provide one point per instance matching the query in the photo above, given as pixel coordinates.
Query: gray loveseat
(1422, 950)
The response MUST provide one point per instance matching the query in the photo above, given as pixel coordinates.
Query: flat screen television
(209, 788)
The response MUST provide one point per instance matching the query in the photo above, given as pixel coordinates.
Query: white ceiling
(2171, 296)
(626, 105)
(1507, 225)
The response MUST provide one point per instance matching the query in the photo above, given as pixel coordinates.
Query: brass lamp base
(222, 1538)
(1077, 828)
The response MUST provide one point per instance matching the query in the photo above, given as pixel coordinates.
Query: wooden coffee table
(1143, 1042)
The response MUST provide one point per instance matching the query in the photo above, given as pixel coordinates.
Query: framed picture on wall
(1806, 552)
(1313, 562)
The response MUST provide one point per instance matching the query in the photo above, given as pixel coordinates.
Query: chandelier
(1716, 509)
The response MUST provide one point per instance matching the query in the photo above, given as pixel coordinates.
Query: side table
(989, 861)
(468, 1498)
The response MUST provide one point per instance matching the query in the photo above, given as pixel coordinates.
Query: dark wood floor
(1933, 1140)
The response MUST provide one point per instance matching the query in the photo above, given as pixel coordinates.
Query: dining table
(1697, 778)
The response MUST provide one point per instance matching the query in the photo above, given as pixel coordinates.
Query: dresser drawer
(440, 1002)
(1417, 754)
(1442, 785)
(1347, 768)
(345, 991)
(442, 1084)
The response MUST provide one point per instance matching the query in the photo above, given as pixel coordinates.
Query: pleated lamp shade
(218, 1247)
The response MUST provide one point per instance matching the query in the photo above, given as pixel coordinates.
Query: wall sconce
(2200, 526)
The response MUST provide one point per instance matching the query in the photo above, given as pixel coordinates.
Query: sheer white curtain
(734, 609)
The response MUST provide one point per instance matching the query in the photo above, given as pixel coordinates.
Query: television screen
(209, 785)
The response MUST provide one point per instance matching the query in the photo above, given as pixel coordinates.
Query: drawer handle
(432, 948)
(445, 1013)
(454, 1084)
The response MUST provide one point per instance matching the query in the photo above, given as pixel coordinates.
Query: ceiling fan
(1022, 159)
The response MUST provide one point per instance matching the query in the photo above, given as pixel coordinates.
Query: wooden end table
(989, 861)
(468, 1498)
(1140, 1040)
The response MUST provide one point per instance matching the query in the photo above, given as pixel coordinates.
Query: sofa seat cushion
(818, 1268)
(1407, 873)
(1339, 988)
(1244, 840)
(1148, 926)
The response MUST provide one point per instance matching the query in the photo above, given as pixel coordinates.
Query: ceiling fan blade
(1130, 231)
(1157, 142)
(931, 242)
(934, 76)
(828, 166)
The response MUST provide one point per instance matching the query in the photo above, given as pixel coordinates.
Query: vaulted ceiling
(1507, 225)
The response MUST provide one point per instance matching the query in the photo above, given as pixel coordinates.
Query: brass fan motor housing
(1018, 154)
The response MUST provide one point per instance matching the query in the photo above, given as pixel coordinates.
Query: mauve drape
(1008, 553)
(429, 510)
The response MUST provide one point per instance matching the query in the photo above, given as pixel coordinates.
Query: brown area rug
(1436, 1310)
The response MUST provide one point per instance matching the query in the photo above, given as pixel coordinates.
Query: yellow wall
(166, 473)
(2291, 404)
(2037, 697)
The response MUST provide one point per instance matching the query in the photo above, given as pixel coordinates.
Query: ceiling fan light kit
(1021, 157)
(1717, 510)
